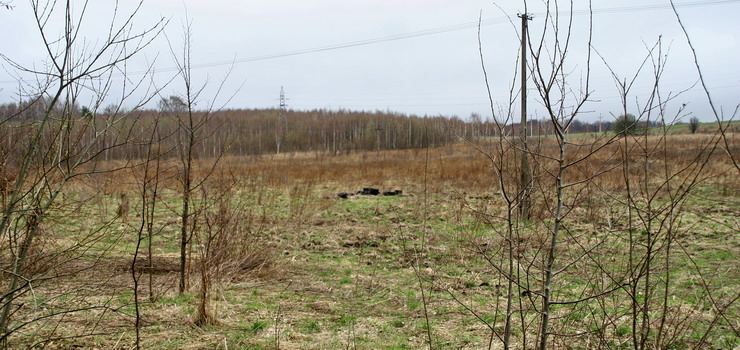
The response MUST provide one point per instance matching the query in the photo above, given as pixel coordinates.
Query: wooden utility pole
(378, 129)
(525, 177)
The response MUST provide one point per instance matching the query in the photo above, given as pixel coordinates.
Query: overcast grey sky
(425, 60)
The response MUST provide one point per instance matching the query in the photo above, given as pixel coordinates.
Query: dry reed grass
(446, 169)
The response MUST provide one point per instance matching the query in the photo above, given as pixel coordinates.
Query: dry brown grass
(326, 260)
(457, 166)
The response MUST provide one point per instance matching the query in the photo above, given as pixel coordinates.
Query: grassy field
(681, 129)
(375, 272)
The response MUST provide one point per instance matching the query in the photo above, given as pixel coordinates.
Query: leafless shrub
(228, 247)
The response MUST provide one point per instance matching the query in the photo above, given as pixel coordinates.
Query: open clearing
(370, 272)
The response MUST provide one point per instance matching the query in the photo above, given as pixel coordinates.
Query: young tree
(190, 132)
(693, 124)
(194, 127)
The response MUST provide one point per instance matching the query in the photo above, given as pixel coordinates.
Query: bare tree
(530, 259)
(190, 132)
(62, 148)
(149, 181)
(193, 130)
(557, 284)
(693, 124)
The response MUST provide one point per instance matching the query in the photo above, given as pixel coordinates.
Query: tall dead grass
(455, 167)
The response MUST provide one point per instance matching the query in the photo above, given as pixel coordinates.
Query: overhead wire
(426, 32)
(445, 29)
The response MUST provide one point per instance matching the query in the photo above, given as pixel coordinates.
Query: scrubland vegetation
(294, 265)
(181, 228)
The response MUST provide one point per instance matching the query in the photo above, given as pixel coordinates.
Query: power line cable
(446, 29)
(428, 32)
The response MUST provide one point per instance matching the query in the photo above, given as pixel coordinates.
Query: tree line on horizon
(252, 132)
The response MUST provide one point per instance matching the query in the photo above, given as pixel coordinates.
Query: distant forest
(259, 131)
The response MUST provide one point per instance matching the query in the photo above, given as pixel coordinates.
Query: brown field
(308, 270)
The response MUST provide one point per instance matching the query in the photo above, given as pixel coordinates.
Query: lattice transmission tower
(281, 127)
